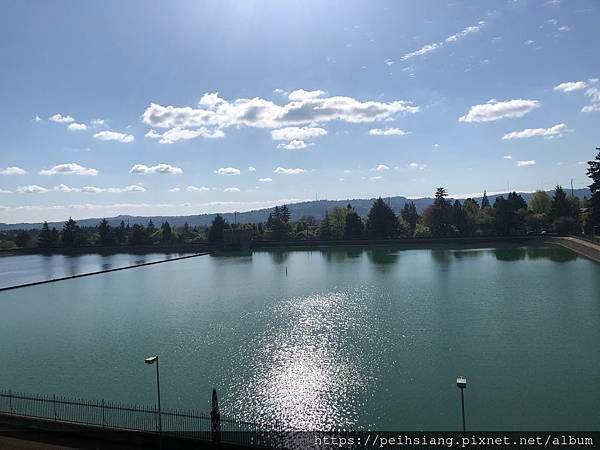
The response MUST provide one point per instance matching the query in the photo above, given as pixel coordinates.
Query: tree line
(443, 218)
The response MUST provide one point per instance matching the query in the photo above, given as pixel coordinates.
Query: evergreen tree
(458, 218)
(23, 239)
(285, 214)
(381, 220)
(121, 233)
(485, 202)
(594, 202)
(441, 224)
(410, 216)
(45, 237)
(354, 225)
(167, 233)
(69, 233)
(106, 236)
(150, 230)
(54, 237)
(325, 227)
(138, 235)
(217, 229)
(560, 205)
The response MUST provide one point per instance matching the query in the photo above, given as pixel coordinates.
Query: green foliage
(23, 239)
(509, 214)
(381, 220)
(325, 227)
(422, 231)
(106, 236)
(70, 236)
(485, 202)
(338, 221)
(166, 232)
(540, 203)
(278, 223)
(354, 227)
(410, 216)
(594, 202)
(217, 229)
(138, 235)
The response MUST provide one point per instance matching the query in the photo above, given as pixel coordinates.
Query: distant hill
(313, 208)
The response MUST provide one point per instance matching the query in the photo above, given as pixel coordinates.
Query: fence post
(103, 418)
(10, 401)
(215, 418)
(54, 405)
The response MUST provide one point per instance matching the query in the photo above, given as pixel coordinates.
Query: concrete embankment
(582, 247)
(20, 432)
(54, 280)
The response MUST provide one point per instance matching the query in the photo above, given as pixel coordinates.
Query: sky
(185, 107)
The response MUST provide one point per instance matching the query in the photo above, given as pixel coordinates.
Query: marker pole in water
(461, 383)
(286, 271)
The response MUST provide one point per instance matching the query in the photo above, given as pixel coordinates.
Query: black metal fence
(113, 415)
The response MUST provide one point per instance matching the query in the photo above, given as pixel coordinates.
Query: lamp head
(461, 382)
(151, 359)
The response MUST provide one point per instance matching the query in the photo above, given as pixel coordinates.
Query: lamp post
(461, 383)
(152, 360)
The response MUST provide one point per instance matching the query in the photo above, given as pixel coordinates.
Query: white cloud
(555, 131)
(59, 118)
(571, 86)
(12, 170)
(37, 119)
(381, 168)
(184, 134)
(251, 169)
(507, 157)
(308, 108)
(295, 145)
(300, 95)
(113, 190)
(285, 171)
(32, 189)
(564, 28)
(159, 168)
(69, 169)
(387, 132)
(389, 62)
(495, 110)
(4, 191)
(197, 189)
(227, 171)
(77, 126)
(66, 189)
(175, 189)
(297, 133)
(453, 38)
(529, 42)
(97, 122)
(265, 180)
(231, 189)
(595, 107)
(153, 134)
(378, 177)
(594, 94)
(530, 162)
(415, 165)
(114, 136)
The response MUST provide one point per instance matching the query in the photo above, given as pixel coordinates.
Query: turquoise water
(15, 270)
(351, 336)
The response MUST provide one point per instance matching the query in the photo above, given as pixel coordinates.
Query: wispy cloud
(450, 39)
(554, 131)
(387, 132)
(527, 163)
(13, 170)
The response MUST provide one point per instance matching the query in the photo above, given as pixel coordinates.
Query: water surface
(367, 337)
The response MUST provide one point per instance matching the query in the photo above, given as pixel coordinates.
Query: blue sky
(185, 107)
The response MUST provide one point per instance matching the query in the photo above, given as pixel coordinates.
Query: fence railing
(113, 415)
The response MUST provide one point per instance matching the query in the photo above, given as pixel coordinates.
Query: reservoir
(370, 337)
